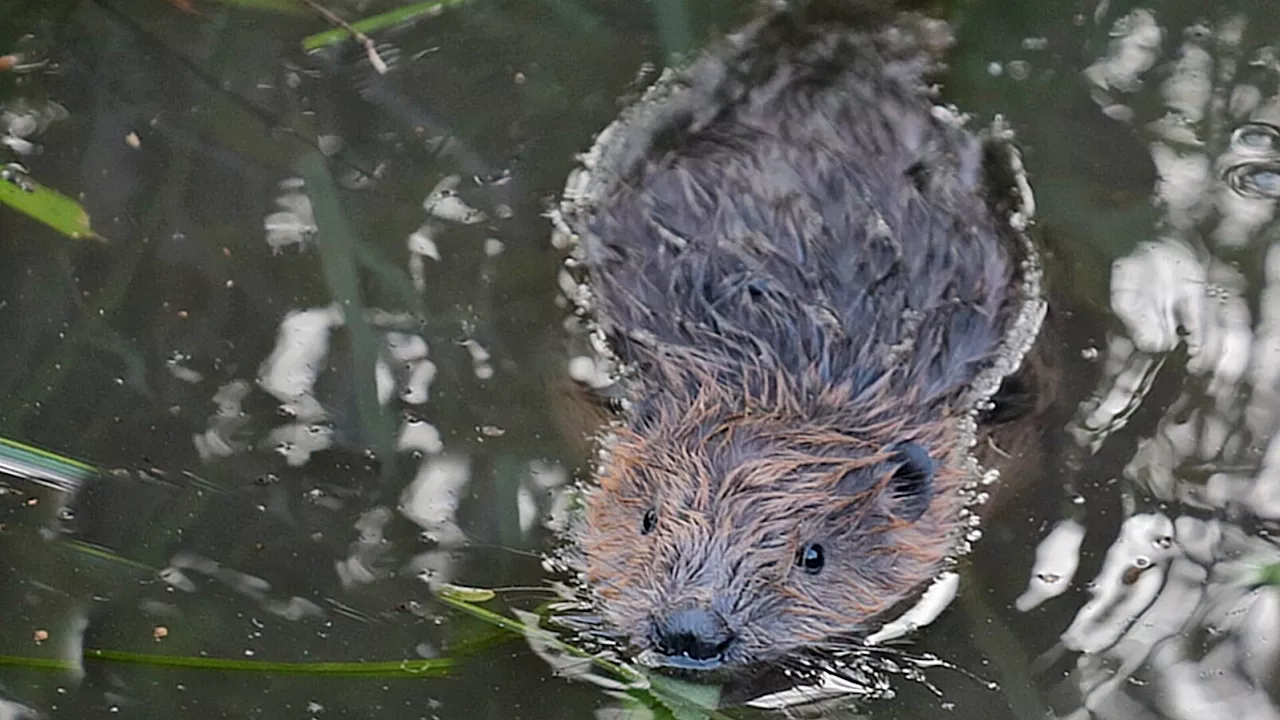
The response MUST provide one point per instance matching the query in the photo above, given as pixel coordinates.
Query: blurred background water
(319, 358)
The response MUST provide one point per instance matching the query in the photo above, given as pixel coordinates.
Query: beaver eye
(649, 522)
(810, 558)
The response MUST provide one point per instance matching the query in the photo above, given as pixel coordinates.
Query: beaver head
(722, 535)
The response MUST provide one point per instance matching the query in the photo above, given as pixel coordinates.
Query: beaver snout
(692, 638)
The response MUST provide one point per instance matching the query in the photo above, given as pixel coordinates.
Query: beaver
(813, 287)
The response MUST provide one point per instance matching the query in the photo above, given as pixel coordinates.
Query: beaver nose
(693, 633)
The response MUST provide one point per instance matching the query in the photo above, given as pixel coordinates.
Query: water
(242, 505)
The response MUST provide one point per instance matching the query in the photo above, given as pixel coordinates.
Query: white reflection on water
(309, 376)
(1176, 626)
(295, 222)
(1057, 557)
(431, 502)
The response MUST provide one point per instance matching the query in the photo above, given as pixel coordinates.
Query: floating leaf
(40, 203)
(464, 593)
(392, 18)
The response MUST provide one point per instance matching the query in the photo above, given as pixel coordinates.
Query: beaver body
(798, 261)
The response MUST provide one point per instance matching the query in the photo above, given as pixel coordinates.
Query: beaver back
(809, 209)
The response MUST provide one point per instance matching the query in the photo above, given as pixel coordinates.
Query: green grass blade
(100, 553)
(384, 669)
(416, 668)
(46, 206)
(392, 18)
(681, 700)
(338, 252)
(457, 598)
(44, 664)
(32, 463)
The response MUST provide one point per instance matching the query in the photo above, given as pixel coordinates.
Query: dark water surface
(215, 357)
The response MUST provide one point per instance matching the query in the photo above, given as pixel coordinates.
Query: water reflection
(1178, 625)
(207, 351)
(204, 339)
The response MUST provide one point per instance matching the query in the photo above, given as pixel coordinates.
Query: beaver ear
(911, 487)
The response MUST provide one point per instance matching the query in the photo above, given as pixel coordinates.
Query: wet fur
(801, 270)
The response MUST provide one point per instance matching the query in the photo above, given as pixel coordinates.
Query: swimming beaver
(812, 288)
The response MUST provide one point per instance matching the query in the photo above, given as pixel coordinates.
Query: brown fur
(745, 484)
(803, 271)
